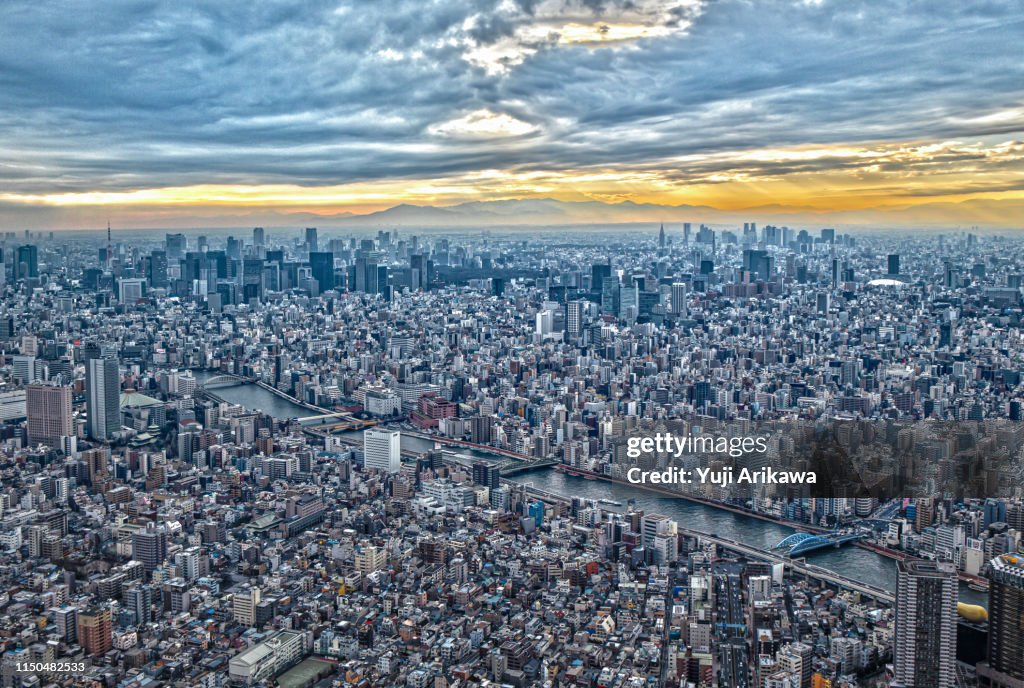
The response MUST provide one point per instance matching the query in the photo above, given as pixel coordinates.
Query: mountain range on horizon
(545, 212)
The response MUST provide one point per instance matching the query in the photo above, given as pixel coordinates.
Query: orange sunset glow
(816, 113)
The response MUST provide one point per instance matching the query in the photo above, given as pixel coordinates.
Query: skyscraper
(1005, 665)
(574, 318)
(422, 271)
(311, 241)
(382, 450)
(103, 382)
(48, 409)
(321, 264)
(894, 263)
(925, 639)
(177, 244)
(678, 298)
(26, 262)
(157, 269)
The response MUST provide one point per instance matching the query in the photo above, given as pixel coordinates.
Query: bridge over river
(799, 544)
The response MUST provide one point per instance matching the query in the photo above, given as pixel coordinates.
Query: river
(854, 562)
(255, 398)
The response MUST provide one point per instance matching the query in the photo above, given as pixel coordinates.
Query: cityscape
(301, 458)
(511, 344)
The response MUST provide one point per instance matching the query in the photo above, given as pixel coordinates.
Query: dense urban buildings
(401, 458)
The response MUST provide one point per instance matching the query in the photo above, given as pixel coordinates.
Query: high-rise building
(422, 270)
(103, 383)
(574, 318)
(678, 298)
(925, 638)
(993, 511)
(1005, 665)
(66, 620)
(243, 606)
(26, 368)
(486, 474)
(156, 270)
(149, 545)
(824, 303)
(369, 558)
(95, 631)
(311, 241)
(382, 449)
(894, 263)
(26, 262)
(258, 236)
(321, 264)
(48, 409)
(177, 244)
(138, 599)
(130, 290)
(610, 295)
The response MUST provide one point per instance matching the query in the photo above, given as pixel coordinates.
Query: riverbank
(896, 555)
(695, 499)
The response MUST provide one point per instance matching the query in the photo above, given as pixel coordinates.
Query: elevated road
(485, 448)
(804, 569)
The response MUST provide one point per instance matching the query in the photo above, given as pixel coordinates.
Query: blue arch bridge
(799, 544)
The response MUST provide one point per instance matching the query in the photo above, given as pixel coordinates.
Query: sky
(151, 113)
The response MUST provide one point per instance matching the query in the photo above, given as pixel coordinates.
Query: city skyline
(403, 458)
(519, 343)
(852, 113)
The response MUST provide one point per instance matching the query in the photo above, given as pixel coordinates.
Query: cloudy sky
(156, 113)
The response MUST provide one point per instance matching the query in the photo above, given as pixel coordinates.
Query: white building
(265, 660)
(243, 606)
(383, 402)
(382, 449)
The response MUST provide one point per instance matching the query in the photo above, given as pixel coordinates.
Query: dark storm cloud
(138, 93)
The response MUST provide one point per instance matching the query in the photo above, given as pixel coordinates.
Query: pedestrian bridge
(799, 544)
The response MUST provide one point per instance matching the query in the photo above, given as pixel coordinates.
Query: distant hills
(532, 212)
(551, 212)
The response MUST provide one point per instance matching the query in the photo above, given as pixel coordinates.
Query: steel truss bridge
(799, 544)
(224, 380)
